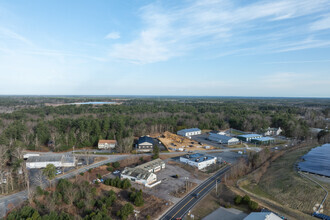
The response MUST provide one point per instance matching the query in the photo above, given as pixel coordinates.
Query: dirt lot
(173, 142)
(169, 184)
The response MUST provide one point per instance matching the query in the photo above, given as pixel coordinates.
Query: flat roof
(190, 130)
(51, 158)
(200, 157)
(264, 139)
(249, 135)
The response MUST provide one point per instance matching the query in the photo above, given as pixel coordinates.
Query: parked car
(116, 172)
(98, 180)
(58, 172)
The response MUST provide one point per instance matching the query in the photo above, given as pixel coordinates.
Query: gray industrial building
(223, 139)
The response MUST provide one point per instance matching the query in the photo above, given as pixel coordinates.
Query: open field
(282, 184)
(173, 142)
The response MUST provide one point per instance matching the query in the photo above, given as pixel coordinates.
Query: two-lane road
(188, 202)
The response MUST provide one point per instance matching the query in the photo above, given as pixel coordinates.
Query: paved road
(21, 196)
(189, 201)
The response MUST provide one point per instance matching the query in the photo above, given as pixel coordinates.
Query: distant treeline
(83, 126)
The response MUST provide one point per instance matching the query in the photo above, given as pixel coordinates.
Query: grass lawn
(283, 184)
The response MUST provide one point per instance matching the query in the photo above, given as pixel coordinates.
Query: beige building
(107, 144)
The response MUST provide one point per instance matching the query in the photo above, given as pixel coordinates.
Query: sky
(188, 48)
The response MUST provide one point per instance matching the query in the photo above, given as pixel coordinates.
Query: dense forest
(84, 125)
(32, 122)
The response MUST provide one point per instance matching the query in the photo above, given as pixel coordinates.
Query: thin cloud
(7, 33)
(113, 36)
(321, 24)
(172, 32)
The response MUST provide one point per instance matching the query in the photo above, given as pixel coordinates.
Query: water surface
(93, 103)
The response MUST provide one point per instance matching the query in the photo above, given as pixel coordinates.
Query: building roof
(272, 129)
(107, 141)
(198, 157)
(264, 139)
(51, 158)
(262, 216)
(190, 130)
(151, 164)
(137, 173)
(249, 135)
(145, 139)
(221, 137)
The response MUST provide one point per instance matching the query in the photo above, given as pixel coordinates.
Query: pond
(94, 103)
(317, 161)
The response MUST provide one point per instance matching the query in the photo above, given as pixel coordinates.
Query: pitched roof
(107, 141)
(221, 137)
(264, 139)
(145, 139)
(137, 173)
(262, 216)
(190, 130)
(151, 164)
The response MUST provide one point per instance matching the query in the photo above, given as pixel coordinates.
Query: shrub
(238, 200)
(39, 191)
(81, 174)
(137, 198)
(125, 211)
(126, 184)
(110, 169)
(99, 176)
(80, 204)
(116, 164)
(253, 205)
(246, 199)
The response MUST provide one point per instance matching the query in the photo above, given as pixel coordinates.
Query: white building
(273, 131)
(145, 144)
(139, 175)
(107, 144)
(262, 216)
(153, 166)
(223, 139)
(189, 132)
(198, 160)
(26, 156)
(56, 160)
(144, 173)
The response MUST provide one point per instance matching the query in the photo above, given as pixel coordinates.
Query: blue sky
(188, 47)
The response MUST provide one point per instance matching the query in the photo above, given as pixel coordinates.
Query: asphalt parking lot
(169, 184)
(228, 156)
(203, 138)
